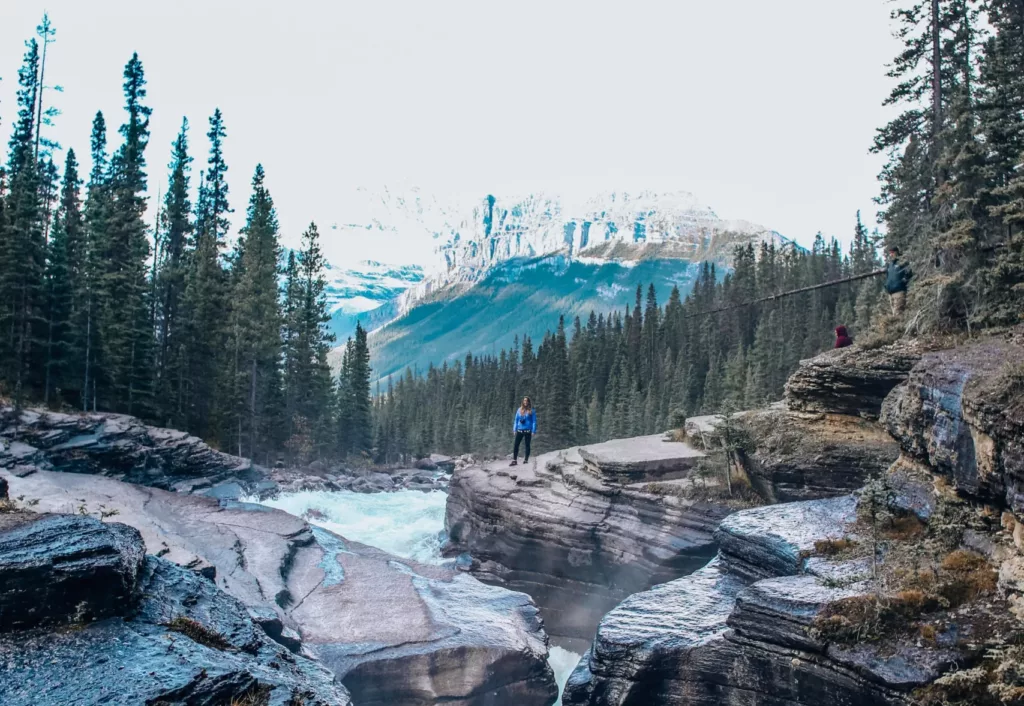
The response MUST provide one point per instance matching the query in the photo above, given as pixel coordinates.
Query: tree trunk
(936, 74)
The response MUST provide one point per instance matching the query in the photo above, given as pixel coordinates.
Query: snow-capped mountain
(361, 293)
(499, 266)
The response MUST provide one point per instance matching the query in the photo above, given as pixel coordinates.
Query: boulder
(575, 542)
(961, 415)
(639, 459)
(852, 381)
(114, 445)
(64, 569)
(183, 641)
(790, 456)
(391, 630)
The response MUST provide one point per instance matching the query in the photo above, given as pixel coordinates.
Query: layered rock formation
(740, 630)
(852, 380)
(558, 529)
(392, 631)
(113, 445)
(133, 630)
(961, 414)
(790, 456)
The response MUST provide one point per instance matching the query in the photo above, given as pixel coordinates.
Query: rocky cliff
(908, 592)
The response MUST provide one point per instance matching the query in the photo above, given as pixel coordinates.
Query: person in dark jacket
(897, 277)
(524, 426)
(842, 337)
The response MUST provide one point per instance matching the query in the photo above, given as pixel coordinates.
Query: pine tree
(65, 272)
(175, 229)
(256, 326)
(22, 254)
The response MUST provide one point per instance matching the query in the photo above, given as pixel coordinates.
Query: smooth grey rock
(392, 630)
(145, 659)
(638, 459)
(65, 569)
(775, 540)
(575, 543)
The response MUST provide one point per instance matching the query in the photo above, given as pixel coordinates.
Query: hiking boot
(514, 463)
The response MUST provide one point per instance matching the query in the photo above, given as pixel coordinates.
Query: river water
(406, 523)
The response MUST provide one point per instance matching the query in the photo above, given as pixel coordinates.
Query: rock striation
(852, 380)
(390, 630)
(739, 631)
(641, 459)
(143, 630)
(961, 415)
(790, 456)
(113, 445)
(575, 541)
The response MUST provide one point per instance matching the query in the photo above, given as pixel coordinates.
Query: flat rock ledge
(142, 630)
(737, 631)
(852, 381)
(577, 543)
(390, 630)
(640, 459)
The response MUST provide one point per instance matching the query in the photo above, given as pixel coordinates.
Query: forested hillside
(640, 370)
(187, 324)
(952, 197)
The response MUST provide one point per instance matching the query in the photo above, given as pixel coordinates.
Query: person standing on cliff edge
(524, 426)
(897, 277)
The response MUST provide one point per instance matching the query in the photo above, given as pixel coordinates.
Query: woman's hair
(526, 404)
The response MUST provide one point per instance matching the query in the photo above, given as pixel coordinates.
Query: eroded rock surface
(113, 445)
(852, 380)
(86, 617)
(639, 459)
(790, 456)
(961, 414)
(576, 543)
(739, 630)
(391, 630)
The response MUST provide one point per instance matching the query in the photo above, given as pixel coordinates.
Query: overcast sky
(763, 109)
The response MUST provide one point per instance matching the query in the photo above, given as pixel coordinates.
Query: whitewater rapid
(406, 523)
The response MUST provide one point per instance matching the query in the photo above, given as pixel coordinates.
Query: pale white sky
(764, 109)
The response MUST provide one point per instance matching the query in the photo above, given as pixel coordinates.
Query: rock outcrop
(391, 630)
(961, 415)
(852, 380)
(739, 631)
(641, 459)
(575, 541)
(60, 569)
(141, 630)
(790, 456)
(113, 445)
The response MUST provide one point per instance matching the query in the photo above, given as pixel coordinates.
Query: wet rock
(644, 458)
(114, 445)
(961, 415)
(415, 634)
(63, 569)
(776, 540)
(577, 544)
(426, 464)
(183, 642)
(738, 631)
(851, 381)
(443, 463)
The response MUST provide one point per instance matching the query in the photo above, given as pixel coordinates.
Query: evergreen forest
(184, 323)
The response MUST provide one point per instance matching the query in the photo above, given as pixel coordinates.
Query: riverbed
(406, 523)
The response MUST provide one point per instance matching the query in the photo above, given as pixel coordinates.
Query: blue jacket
(525, 422)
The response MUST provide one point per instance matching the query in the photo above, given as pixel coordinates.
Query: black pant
(520, 435)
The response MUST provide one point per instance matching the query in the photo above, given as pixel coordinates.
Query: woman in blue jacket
(524, 426)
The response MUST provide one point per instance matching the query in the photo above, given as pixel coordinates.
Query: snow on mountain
(368, 285)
